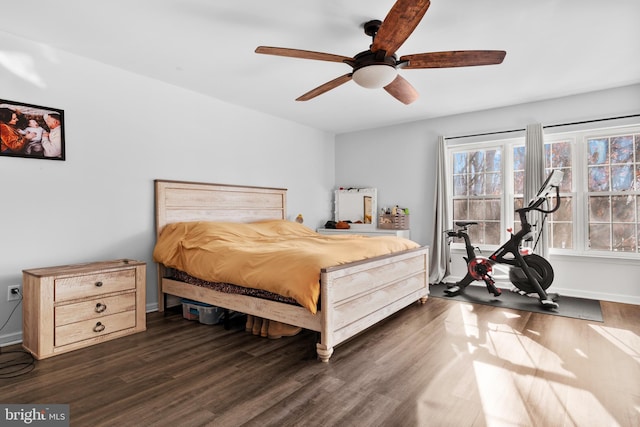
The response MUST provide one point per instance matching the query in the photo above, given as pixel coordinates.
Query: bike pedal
(493, 290)
(549, 304)
(453, 291)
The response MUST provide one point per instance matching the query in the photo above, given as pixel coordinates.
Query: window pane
(562, 236)
(460, 185)
(599, 179)
(623, 208)
(518, 183)
(493, 210)
(599, 209)
(560, 155)
(518, 158)
(459, 163)
(598, 151)
(599, 236)
(492, 233)
(624, 237)
(494, 184)
(477, 209)
(561, 225)
(622, 178)
(476, 184)
(460, 210)
(476, 162)
(622, 149)
(493, 161)
(565, 211)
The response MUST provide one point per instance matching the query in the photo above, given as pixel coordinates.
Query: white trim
(11, 339)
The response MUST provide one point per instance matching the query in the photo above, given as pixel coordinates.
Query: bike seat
(465, 223)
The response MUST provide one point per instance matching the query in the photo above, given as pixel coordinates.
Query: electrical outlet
(14, 292)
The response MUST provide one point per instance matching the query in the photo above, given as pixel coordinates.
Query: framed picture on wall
(31, 131)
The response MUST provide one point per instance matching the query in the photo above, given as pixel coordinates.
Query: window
(558, 155)
(599, 211)
(613, 171)
(477, 189)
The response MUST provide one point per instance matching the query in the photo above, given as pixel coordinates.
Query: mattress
(227, 288)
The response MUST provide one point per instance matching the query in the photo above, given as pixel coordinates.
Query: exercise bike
(530, 273)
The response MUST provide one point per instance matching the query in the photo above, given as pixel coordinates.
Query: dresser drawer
(94, 309)
(87, 329)
(92, 285)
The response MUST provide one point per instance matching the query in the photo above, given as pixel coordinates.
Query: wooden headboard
(181, 201)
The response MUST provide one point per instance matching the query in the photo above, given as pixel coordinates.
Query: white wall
(122, 132)
(400, 162)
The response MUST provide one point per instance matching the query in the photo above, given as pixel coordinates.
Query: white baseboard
(11, 339)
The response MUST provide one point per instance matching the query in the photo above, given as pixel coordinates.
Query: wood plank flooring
(445, 363)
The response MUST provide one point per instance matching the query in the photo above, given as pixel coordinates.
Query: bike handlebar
(535, 206)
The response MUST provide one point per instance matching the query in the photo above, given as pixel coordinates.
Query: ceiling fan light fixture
(375, 76)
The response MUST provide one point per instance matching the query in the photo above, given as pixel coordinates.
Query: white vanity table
(366, 232)
(360, 205)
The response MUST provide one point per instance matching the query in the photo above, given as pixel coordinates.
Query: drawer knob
(100, 307)
(99, 327)
(98, 284)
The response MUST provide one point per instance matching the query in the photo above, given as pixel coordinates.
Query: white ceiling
(554, 48)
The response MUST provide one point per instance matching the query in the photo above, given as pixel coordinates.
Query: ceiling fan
(378, 66)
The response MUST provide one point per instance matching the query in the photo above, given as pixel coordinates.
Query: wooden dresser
(74, 306)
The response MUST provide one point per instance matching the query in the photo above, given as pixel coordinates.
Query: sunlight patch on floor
(590, 413)
(500, 376)
(513, 397)
(626, 341)
(503, 402)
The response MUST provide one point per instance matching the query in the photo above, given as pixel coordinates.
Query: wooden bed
(353, 296)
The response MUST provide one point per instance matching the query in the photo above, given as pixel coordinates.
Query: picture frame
(31, 131)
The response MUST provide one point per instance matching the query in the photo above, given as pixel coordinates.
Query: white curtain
(534, 176)
(440, 257)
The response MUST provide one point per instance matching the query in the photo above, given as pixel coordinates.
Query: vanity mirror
(358, 205)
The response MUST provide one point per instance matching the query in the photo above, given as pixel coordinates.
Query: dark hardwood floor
(446, 363)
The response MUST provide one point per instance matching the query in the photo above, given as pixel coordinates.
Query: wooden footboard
(354, 297)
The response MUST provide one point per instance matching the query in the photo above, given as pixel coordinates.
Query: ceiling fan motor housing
(374, 70)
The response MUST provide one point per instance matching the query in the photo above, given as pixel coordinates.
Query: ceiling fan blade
(453, 58)
(325, 87)
(303, 54)
(402, 19)
(402, 90)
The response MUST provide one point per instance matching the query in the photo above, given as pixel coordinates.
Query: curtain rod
(544, 127)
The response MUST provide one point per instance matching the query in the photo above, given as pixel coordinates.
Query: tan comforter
(278, 256)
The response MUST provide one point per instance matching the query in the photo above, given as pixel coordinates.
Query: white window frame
(578, 140)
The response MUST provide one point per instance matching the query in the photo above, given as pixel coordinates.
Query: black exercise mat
(579, 308)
